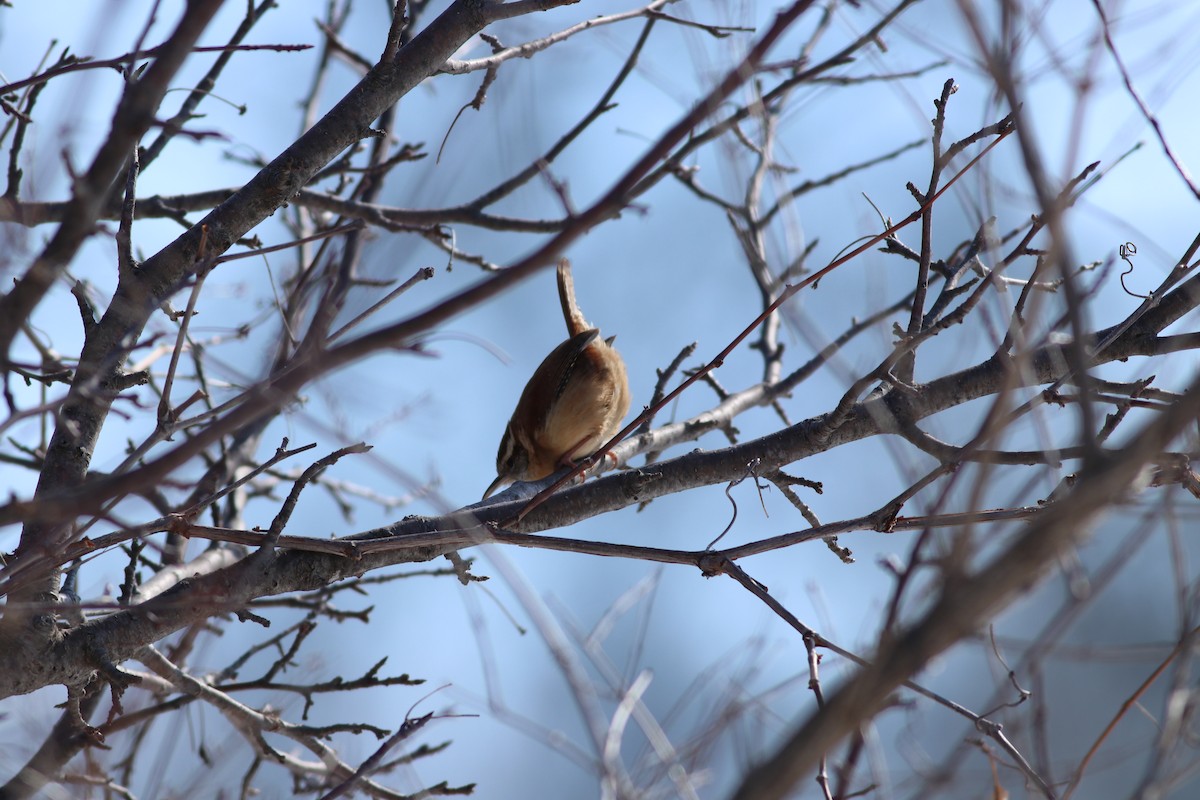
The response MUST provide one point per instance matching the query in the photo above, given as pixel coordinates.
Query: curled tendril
(1125, 251)
(751, 471)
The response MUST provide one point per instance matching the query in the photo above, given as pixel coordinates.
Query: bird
(574, 403)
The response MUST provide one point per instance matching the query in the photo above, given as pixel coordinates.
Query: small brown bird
(574, 403)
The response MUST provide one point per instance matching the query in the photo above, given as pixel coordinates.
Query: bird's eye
(507, 454)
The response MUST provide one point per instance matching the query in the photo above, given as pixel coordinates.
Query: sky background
(662, 276)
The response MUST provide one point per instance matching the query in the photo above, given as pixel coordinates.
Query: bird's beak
(496, 484)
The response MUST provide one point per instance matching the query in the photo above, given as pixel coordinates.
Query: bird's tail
(576, 322)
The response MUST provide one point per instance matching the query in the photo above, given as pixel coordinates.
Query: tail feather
(576, 322)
